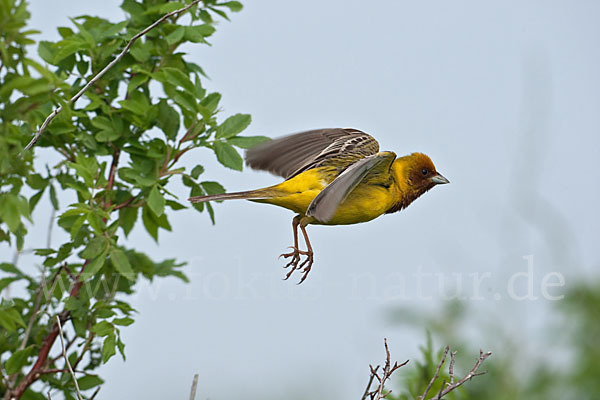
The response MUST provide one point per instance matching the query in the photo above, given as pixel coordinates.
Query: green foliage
(120, 148)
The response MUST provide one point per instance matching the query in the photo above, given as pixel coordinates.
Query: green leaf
(33, 201)
(121, 347)
(44, 252)
(176, 77)
(196, 34)
(228, 156)
(150, 223)
(10, 268)
(196, 171)
(211, 212)
(175, 205)
(89, 381)
(234, 6)
(186, 101)
(94, 266)
(212, 187)
(76, 227)
(6, 322)
(108, 348)
(9, 211)
(233, 125)
(121, 263)
(247, 142)
(103, 328)
(47, 51)
(141, 50)
(175, 36)
(4, 282)
(211, 102)
(18, 359)
(10, 318)
(125, 321)
(107, 136)
(101, 122)
(127, 218)
(171, 6)
(136, 81)
(94, 248)
(137, 103)
(156, 201)
(168, 119)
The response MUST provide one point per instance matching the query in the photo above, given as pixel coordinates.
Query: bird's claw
(295, 262)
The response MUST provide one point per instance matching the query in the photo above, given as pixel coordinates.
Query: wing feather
(324, 206)
(293, 154)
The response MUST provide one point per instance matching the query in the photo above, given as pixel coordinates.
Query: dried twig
(447, 387)
(64, 352)
(104, 70)
(437, 373)
(194, 386)
(371, 377)
(451, 367)
(388, 370)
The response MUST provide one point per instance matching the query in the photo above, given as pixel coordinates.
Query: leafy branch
(119, 151)
(105, 69)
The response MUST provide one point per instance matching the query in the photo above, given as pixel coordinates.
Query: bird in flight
(334, 177)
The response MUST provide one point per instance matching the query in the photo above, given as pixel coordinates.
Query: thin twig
(64, 352)
(194, 387)
(371, 377)
(447, 387)
(451, 367)
(95, 392)
(388, 370)
(437, 373)
(104, 70)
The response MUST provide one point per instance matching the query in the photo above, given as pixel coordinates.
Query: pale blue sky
(503, 95)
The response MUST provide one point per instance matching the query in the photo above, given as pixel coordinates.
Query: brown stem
(111, 174)
(166, 162)
(126, 203)
(35, 371)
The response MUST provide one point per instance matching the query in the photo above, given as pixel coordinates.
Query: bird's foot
(295, 262)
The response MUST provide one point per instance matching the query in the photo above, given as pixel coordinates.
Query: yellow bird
(334, 177)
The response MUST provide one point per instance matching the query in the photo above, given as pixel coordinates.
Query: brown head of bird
(415, 175)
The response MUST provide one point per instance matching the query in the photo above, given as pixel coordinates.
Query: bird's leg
(309, 255)
(296, 252)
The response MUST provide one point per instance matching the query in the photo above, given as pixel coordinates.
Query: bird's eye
(424, 171)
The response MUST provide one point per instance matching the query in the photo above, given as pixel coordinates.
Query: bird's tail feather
(251, 194)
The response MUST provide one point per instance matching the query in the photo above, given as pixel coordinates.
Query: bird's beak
(438, 179)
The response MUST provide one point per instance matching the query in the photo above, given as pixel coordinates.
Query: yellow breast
(365, 203)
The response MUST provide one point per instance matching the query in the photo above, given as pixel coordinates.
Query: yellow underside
(365, 203)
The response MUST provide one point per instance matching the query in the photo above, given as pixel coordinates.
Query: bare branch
(447, 387)
(64, 352)
(388, 370)
(371, 377)
(104, 70)
(451, 367)
(194, 387)
(437, 373)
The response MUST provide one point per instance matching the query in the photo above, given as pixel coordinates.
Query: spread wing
(290, 155)
(372, 169)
